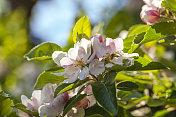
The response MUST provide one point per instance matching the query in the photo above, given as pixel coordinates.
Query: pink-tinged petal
(73, 53)
(84, 73)
(149, 15)
(98, 47)
(118, 44)
(109, 45)
(81, 54)
(37, 94)
(64, 62)
(148, 2)
(92, 100)
(86, 44)
(71, 73)
(60, 101)
(91, 57)
(96, 67)
(84, 103)
(57, 56)
(47, 93)
(99, 36)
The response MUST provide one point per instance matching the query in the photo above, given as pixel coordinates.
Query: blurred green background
(26, 23)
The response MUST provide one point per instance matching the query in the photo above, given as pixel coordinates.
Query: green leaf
(5, 104)
(95, 115)
(74, 100)
(156, 102)
(128, 95)
(60, 87)
(145, 79)
(162, 113)
(43, 51)
(109, 81)
(103, 97)
(23, 108)
(82, 26)
(67, 86)
(137, 29)
(169, 4)
(48, 77)
(96, 109)
(3, 96)
(165, 28)
(123, 112)
(127, 86)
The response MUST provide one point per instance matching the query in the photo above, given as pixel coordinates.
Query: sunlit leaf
(83, 27)
(49, 77)
(171, 4)
(43, 51)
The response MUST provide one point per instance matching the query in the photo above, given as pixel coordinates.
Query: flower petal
(47, 110)
(65, 61)
(96, 67)
(47, 93)
(84, 73)
(57, 56)
(98, 47)
(118, 44)
(73, 53)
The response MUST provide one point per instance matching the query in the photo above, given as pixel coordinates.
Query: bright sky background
(53, 19)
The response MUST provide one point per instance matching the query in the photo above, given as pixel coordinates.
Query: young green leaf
(48, 77)
(74, 100)
(156, 102)
(103, 97)
(82, 27)
(127, 86)
(43, 51)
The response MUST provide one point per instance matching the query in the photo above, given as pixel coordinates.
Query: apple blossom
(43, 101)
(74, 61)
(149, 15)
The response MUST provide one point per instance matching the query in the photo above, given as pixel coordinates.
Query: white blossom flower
(74, 61)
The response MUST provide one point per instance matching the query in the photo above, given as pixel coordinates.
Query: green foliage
(82, 28)
(49, 77)
(169, 4)
(104, 98)
(96, 109)
(128, 95)
(74, 100)
(156, 102)
(23, 108)
(127, 86)
(68, 86)
(43, 51)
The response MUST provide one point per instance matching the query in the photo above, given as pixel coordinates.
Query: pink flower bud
(149, 15)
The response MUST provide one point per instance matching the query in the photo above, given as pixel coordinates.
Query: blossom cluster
(88, 58)
(81, 61)
(43, 102)
(151, 11)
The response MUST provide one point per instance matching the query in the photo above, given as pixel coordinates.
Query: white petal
(47, 93)
(73, 53)
(37, 94)
(98, 47)
(109, 65)
(118, 60)
(86, 44)
(57, 56)
(47, 110)
(96, 67)
(25, 100)
(118, 44)
(65, 61)
(72, 78)
(84, 73)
